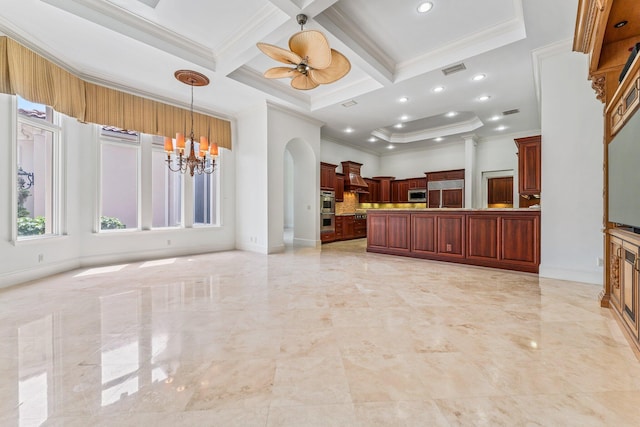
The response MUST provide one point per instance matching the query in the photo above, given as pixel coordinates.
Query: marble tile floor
(331, 337)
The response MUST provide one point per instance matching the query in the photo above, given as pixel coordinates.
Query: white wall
(572, 130)
(79, 245)
(301, 136)
(414, 163)
(335, 153)
(288, 189)
(252, 180)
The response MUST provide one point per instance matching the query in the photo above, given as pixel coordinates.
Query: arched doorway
(300, 212)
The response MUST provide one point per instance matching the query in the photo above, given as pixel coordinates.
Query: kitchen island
(498, 238)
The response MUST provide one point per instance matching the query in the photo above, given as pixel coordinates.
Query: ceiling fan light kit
(314, 62)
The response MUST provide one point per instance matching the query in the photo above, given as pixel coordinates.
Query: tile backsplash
(349, 205)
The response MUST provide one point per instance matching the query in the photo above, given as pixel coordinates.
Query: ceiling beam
(117, 19)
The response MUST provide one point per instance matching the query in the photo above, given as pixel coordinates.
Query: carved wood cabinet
(608, 46)
(624, 268)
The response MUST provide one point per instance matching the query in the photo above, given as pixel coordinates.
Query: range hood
(352, 179)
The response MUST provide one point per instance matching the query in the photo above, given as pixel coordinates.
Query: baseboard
(306, 243)
(137, 256)
(592, 277)
(17, 277)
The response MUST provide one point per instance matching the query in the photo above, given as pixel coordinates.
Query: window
(205, 190)
(37, 147)
(119, 183)
(166, 189)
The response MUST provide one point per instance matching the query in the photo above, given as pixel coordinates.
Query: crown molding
(347, 144)
(539, 55)
(117, 19)
(297, 114)
(421, 135)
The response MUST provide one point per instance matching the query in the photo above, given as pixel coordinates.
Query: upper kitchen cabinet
(384, 192)
(328, 176)
(529, 161)
(500, 191)
(339, 187)
(400, 191)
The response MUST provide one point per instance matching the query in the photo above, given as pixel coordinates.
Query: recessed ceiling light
(478, 77)
(348, 130)
(438, 89)
(403, 99)
(390, 147)
(501, 128)
(451, 114)
(404, 117)
(438, 139)
(494, 118)
(398, 125)
(484, 98)
(425, 7)
(372, 139)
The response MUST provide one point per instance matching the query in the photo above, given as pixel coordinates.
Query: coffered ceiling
(395, 52)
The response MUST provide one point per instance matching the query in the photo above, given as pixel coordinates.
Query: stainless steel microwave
(417, 195)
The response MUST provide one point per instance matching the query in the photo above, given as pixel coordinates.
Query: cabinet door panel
(451, 235)
(452, 198)
(377, 231)
(423, 233)
(516, 234)
(482, 237)
(630, 286)
(398, 237)
(434, 198)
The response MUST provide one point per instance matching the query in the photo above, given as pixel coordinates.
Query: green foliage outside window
(111, 223)
(31, 226)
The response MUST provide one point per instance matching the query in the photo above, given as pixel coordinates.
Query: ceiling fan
(314, 62)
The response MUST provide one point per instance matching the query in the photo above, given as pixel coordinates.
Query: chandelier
(205, 160)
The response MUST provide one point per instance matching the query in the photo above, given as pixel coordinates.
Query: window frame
(157, 147)
(58, 175)
(115, 140)
(215, 200)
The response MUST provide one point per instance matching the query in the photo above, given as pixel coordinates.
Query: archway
(301, 218)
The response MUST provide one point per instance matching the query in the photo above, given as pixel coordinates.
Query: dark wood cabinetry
(339, 234)
(339, 187)
(508, 239)
(500, 191)
(417, 183)
(327, 176)
(384, 192)
(373, 196)
(348, 227)
(445, 189)
(529, 165)
(360, 228)
(450, 234)
(400, 191)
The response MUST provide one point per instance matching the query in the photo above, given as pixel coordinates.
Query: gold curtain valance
(25, 73)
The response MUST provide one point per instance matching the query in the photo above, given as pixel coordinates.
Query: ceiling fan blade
(339, 68)
(303, 82)
(312, 45)
(280, 72)
(279, 54)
